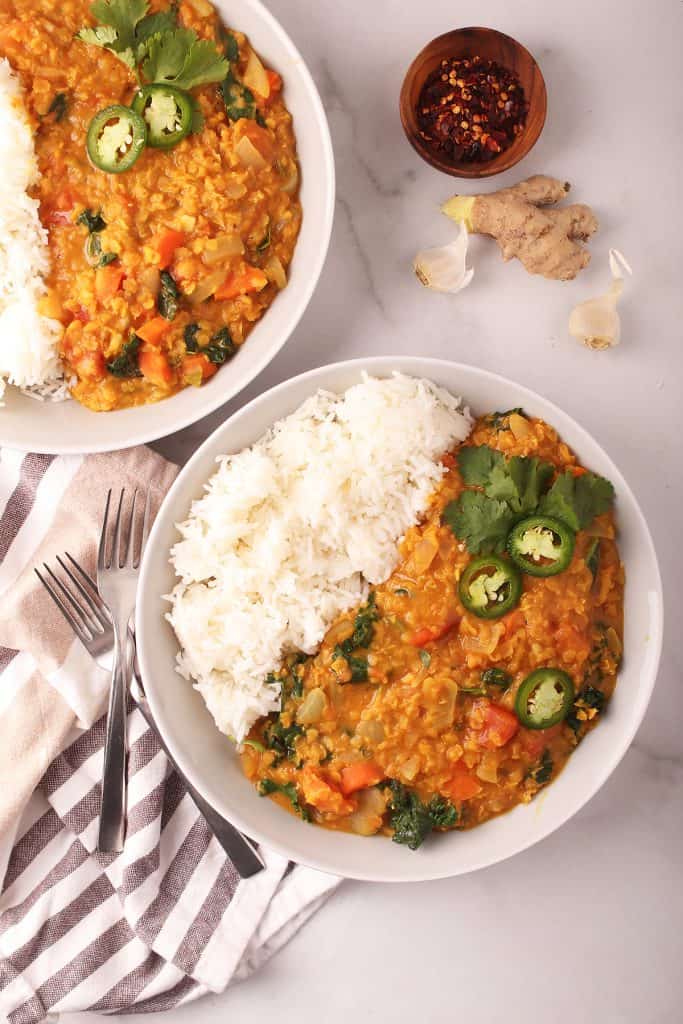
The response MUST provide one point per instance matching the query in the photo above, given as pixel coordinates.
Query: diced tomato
(513, 621)
(500, 724)
(535, 741)
(274, 81)
(463, 785)
(82, 314)
(448, 461)
(166, 244)
(153, 330)
(155, 366)
(197, 368)
(59, 210)
(428, 635)
(250, 280)
(360, 775)
(108, 280)
(323, 795)
(577, 470)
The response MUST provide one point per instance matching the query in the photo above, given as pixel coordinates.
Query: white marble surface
(585, 926)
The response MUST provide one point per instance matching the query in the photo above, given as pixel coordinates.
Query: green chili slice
(541, 545)
(544, 698)
(116, 138)
(167, 112)
(489, 587)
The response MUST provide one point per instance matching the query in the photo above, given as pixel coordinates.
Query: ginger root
(546, 242)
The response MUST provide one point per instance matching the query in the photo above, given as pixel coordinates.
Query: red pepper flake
(471, 109)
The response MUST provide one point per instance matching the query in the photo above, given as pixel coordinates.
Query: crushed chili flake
(471, 109)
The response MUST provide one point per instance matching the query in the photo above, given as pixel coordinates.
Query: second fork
(117, 574)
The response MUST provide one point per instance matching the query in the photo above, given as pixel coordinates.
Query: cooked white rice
(291, 531)
(28, 340)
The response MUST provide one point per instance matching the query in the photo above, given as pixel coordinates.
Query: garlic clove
(444, 268)
(596, 322)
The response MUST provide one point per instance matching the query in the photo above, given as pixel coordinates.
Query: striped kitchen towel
(166, 920)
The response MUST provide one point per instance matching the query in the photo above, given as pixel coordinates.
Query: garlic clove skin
(444, 268)
(596, 322)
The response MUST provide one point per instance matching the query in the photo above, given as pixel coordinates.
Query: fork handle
(112, 827)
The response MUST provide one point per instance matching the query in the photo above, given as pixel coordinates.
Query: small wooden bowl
(492, 45)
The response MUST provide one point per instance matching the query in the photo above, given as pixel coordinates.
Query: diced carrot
(463, 785)
(155, 366)
(500, 725)
(360, 775)
(250, 280)
(108, 280)
(260, 137)
(426, 635)
(197, 367)
(535, 741)
(59, 210)
(154, 330)
(324, 796)
(577, 470)
(166, 244)
(274, 81)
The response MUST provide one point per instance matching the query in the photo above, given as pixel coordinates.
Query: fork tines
(122, 549)
(77, 598)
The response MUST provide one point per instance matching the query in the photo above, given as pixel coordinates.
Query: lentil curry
(454, 694)
(159, 273)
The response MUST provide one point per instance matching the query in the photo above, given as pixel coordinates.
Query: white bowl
(208, 758)
(68, 427)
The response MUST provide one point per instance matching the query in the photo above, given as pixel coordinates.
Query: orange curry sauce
(413, 720)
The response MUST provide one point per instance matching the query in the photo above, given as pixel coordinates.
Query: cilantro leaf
(476, 463)
(482, 523)
(576, 500)
(183, 60)
(162, 21)
(519, 480)
(203, 65)
(122, 16)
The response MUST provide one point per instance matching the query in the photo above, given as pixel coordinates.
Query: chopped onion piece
(275, 272)
(224, 245)
(207, 286)
(255, 77)
(249, 155)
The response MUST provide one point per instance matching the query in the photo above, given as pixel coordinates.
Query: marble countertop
(585, 926)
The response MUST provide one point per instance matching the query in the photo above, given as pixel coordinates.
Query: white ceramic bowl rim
(207, 760)
(64, 428)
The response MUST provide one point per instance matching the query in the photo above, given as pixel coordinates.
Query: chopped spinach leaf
(221, 347)
(59, 106)
(125, 364)
(412, 820)
(542, 773)
(359, 669)
(191, 345)
(265, 241)
(94, 222)
(282, 739)
(167, 299)
(288, 789)
(500, 420)
(593, 557)
(496, 677)
(239, 100)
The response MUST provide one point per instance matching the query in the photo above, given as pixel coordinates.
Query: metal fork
(77, 598)
(118, 565)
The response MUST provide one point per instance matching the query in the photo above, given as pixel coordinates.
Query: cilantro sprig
(153, 46)
(501, 491)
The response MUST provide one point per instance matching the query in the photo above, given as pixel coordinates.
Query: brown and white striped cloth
(168, 919)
